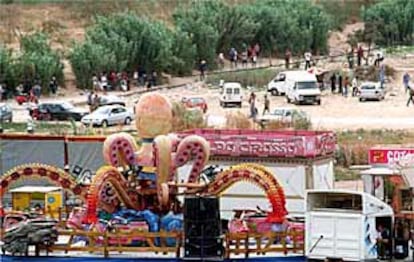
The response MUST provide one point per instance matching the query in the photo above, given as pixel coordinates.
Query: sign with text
(277, 144)
(390, 156)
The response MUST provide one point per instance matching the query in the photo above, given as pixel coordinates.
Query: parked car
(231, 94)
(285, 115)
(111, 100)
(195, 102)
(6, 113)
(60, 110)
(371, 91)
(108, 115)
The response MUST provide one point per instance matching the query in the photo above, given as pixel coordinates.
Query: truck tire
(274, 92)
(318, 102)
(240, 105)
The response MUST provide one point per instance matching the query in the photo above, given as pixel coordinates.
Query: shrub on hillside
(298, 25)
(215, 27)
(392, 21)
(126, 42)
(36, 60)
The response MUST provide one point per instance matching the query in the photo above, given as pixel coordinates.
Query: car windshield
(67, 106)
(306, 85)
(368, 87)
(102, 110)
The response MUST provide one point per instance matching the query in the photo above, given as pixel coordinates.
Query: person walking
(308, 58)
(266, 107)
(333, 83)
(360, 54)
(382, 75)
(245, 58)
(233, 57)
(410, 96)
(406, 81)
(53, 86)
(351, 58)
(346, 84)
(252, 103)
(288, 55)
(340, 83)
(221, 61)
(203, 68)
(355, 86)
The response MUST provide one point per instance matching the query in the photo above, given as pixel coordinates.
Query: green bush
(125, 41)
(7, 72)
(36, 60)
(298, 25)
(215, 27)
(183, 54)
(393, 21)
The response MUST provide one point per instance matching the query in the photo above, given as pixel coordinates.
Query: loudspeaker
(208, 229)
(201, 208)
(202, 228)
(203, 248)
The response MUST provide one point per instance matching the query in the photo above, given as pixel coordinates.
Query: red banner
(275, 144)
(389, 156)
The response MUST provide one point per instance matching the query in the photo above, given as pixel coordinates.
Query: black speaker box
(202, 228)
(203, 248)
(201, 208)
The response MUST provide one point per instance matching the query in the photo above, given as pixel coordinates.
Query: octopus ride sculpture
(143, 175)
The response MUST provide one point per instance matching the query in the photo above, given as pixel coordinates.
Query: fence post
(105, 244)
(178, 237)
(283, 240)
(246, 246)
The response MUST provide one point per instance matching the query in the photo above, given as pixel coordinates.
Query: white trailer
(343, 225)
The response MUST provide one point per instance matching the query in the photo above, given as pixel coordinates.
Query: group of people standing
(120, 81)
(110, 82)
(248, 53)
(252, 105)
(342, 84)
(34, 90)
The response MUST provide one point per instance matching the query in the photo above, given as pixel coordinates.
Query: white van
(302, 87)
(342, 224)
(231, 94)
(277, 85)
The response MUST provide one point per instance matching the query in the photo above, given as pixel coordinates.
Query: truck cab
(302, 88)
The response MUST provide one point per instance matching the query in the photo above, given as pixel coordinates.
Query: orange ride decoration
(57, 176)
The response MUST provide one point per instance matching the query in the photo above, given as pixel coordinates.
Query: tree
(394, 21)
(215, 27)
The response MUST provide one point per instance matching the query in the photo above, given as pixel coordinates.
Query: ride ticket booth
(48, 198)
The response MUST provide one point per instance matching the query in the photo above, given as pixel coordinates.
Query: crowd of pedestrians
(30, 90)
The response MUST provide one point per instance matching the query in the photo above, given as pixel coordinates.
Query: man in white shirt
(355, 86)
(308, 58)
